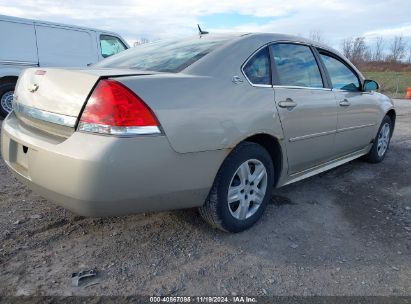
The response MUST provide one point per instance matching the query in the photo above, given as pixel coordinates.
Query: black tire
(216, 210)
(5, 88)
(373, 156)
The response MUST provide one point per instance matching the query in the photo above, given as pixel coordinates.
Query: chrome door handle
(288, 103)
(345, 103)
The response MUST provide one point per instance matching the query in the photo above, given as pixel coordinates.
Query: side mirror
(370, 85)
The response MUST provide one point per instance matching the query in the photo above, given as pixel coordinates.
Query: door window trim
(271, 70)
(316, 51)
(321, 51)
(275, 78)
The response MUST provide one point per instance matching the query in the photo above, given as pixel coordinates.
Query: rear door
(357, 111)
(65, 47)
(307, 107)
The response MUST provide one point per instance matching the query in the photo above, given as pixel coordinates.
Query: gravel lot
(344, 232)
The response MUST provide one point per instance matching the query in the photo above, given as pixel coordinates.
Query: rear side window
(257, 69)
(110, 45)
(342, 77)
(296, 66)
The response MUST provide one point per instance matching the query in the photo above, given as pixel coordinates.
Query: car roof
(265, 38)
(276, 37)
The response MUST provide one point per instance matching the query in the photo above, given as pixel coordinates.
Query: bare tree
(397, 49)
(359, 50)
(356, 50)
(347, 44)
(316, 35)
(378, 52)
(367, 55)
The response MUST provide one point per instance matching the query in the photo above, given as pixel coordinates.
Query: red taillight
(114, 109)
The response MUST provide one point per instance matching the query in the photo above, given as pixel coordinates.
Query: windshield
(163, 56)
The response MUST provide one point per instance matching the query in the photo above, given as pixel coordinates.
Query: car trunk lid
(52, 99)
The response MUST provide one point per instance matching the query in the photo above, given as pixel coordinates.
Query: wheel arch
(273, 147)
(393, 116)
(8, 79)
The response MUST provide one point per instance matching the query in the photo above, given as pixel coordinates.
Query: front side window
(296, 66)
(342, 77)
(257, 69)
(110, 45)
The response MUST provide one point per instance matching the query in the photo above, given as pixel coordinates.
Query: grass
(393, 84)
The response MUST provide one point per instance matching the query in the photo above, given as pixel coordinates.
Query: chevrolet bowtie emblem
(33, 88)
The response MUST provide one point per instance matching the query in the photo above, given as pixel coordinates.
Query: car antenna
(200, 31)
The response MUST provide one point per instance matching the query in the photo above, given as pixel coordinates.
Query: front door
(357, 111)
(307, 109)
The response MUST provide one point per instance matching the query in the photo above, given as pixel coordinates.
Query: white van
(31, 43)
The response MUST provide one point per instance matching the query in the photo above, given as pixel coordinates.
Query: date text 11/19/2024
(203, 299)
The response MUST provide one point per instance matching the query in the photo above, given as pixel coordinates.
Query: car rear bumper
(95, 175)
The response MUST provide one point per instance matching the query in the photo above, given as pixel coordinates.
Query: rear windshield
(163, 56)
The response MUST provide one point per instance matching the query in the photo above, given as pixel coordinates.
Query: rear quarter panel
(199, 113)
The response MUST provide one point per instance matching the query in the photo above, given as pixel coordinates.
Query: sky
(160, 19)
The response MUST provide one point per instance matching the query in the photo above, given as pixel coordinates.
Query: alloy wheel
(383, 139)
(247, 189)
